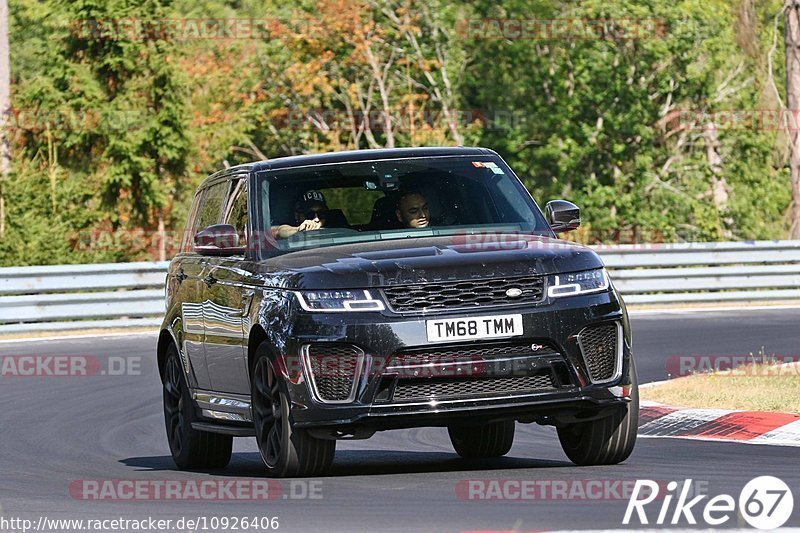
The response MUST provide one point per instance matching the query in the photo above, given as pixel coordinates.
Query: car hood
(424, 260)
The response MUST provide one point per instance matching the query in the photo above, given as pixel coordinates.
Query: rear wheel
(286, 451)
(605, 441)
(191, 449)
(488, 440)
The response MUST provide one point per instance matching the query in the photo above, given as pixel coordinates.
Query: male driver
(309, 212)
(412, 210)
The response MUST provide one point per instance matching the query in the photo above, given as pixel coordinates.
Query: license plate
(487, 327)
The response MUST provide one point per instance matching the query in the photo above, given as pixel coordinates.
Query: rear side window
(355, 202)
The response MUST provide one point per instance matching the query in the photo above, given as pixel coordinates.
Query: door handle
(209, 280)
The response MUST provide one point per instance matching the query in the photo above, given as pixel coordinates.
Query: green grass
(754, 387)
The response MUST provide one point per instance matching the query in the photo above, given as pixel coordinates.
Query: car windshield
(347, 203)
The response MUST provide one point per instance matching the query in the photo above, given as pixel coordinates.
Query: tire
(191, 449)
(606, 441)
(286, 451)
(480, 442)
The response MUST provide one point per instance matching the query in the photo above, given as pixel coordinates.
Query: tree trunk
(719, 191)
(5, 111)
(792, 40)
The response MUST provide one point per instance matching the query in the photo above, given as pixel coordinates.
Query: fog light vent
(601, 348)
(333, 371)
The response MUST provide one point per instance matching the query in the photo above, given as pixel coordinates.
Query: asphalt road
(57, 431)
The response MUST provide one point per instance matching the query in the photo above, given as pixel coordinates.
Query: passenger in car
(412, 209)
(310, 212)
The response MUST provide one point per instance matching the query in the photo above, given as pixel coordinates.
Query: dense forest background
(669, 130)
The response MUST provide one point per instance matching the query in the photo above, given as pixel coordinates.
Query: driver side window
(212, 205)
(236, 210)
(208, 210)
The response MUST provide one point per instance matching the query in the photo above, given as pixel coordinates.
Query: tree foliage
(111, 134)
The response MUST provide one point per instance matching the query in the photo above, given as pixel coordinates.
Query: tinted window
(212, 204)
(236, 210)
(355, 202)
(187, 241)
(395, 199)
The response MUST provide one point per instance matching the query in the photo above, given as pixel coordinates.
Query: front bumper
(554, 323)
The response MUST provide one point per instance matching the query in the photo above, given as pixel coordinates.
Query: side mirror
(219, 239)
(563, 216)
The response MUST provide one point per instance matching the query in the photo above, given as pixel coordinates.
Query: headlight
(578, 283)
(344, 300)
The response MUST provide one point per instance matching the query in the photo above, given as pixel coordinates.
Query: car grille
(334, 370)
(463, 294)
(599, 347)
(434, 354)
(465, 388)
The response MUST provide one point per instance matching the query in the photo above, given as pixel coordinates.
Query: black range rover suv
(331, 296)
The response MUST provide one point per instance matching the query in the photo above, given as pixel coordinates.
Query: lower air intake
(465, 388)
(334, 370)
(600, 347)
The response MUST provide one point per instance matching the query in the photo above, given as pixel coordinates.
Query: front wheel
(480, 442)
(605, 441)
(285, 450)
(191, 449)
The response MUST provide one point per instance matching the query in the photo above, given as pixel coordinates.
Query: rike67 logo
(765, 502)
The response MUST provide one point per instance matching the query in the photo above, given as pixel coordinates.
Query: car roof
(348, 156)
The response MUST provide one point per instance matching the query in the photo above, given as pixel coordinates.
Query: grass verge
(95, 332)
(751, 387)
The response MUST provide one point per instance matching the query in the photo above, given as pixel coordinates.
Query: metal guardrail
(132, 294)
(705, 272)
(62, 297)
